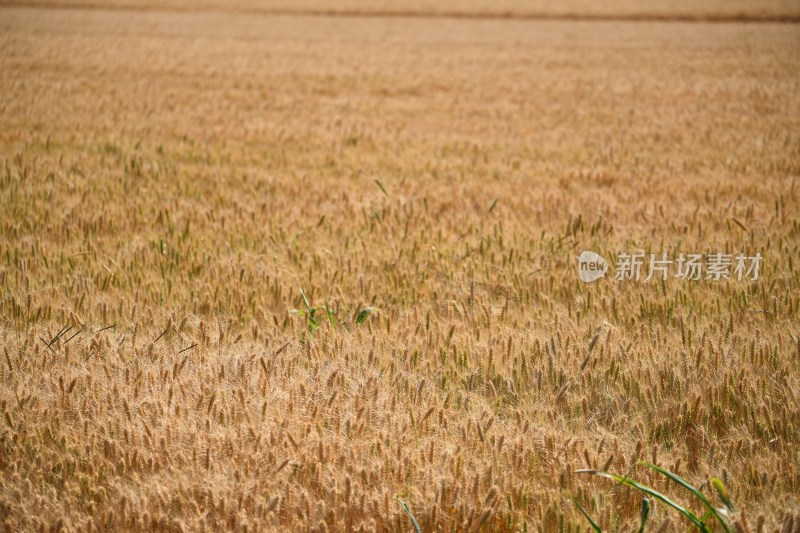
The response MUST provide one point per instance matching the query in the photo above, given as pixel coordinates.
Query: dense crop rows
(171, 181)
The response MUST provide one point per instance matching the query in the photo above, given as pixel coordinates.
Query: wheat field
(179, 188)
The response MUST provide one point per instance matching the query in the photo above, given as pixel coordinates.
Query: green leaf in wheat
(364, 314)
(688, 486)
(653, 493)
(410, 515)
(595, 527)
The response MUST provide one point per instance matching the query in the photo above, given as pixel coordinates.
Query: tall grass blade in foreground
(595, 527)
(644, 514)
(688, 486)
(652, 493)
(411, 516)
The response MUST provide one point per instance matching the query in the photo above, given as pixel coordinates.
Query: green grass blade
(653, 493)
(331, 315)
(644, 514)
(305, 300)
(592, 523)
(364, 314)
(411, 516)
(688, 486)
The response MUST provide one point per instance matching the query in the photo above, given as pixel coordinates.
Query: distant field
(171, 180)
(713, 9)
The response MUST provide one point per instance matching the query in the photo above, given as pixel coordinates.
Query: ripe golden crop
(274, 271)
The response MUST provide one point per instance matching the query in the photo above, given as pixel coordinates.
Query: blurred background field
(745, 9)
